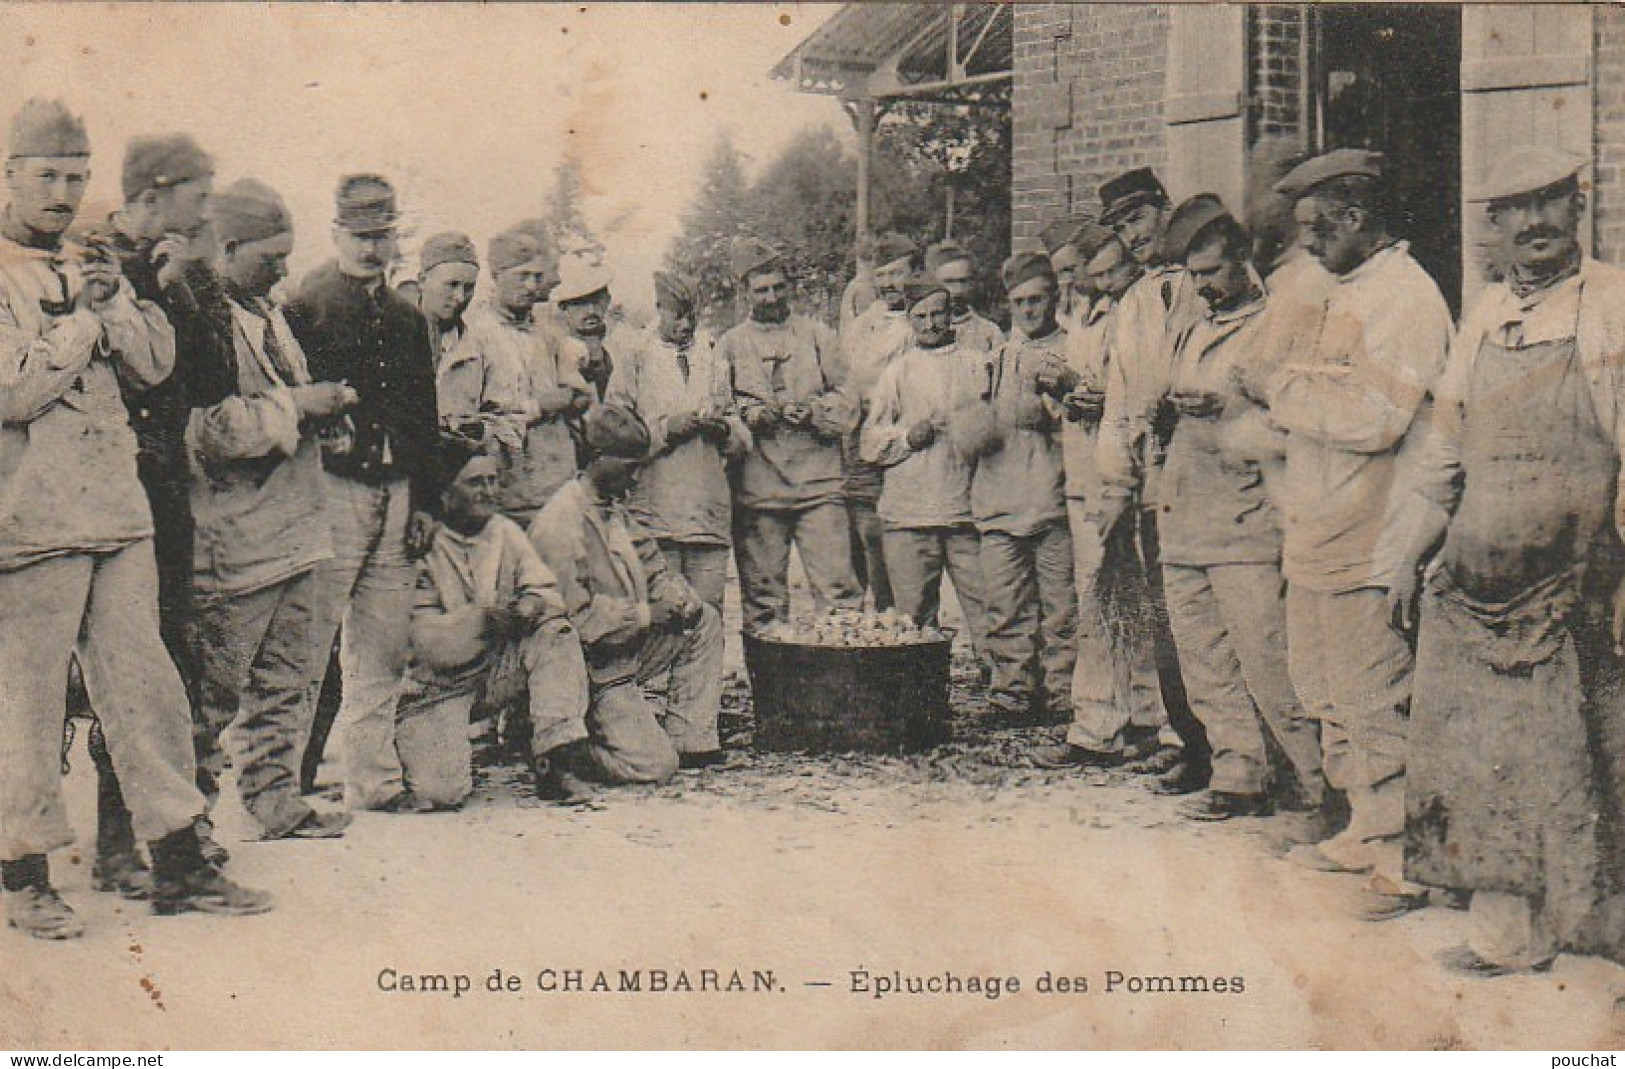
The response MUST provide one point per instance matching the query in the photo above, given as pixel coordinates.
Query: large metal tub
(875, 699)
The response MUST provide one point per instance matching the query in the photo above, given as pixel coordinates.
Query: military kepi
(1525, 170)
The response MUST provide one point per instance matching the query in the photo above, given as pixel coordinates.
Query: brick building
(1195, 90)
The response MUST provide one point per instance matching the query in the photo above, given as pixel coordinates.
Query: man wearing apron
(1511, 494)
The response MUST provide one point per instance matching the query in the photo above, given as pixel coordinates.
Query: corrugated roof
(886, 49)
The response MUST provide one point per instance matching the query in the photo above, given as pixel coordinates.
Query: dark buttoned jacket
(378, 343)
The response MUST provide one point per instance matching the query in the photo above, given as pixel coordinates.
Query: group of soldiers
(1278, 535)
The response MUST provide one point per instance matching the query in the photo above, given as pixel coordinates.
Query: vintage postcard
(910, 525)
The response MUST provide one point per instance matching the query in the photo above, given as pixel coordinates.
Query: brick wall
(1089, 82)
(1609, 77)
(1276, 33)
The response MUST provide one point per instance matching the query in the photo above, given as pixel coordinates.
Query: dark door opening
(1388, 77)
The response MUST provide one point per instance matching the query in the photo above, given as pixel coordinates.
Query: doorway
(1388, 77)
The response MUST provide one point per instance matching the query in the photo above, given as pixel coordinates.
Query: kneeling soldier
(638, 621)
(488, 627)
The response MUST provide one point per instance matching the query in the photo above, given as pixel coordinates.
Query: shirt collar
(1377, 261)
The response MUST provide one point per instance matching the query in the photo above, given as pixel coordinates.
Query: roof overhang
(948, 53)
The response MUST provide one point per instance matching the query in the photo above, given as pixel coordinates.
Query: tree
(566, 221)
(720, 211)
(804, 203)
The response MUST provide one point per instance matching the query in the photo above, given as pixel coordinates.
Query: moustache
(1550, 233)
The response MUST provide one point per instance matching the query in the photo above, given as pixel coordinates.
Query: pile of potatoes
(852, 628)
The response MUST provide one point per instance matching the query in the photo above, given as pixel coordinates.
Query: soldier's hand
(663, 612)
(501, 622)
(760, 418)
(172, 253)
(101, 282)
(321, 400)
(922, 434)
(1401, 599)
(796, 414)
(420, 531)
(715, 430)
(1198, 404)
(682, 426)
(1057, 381)
(1085, 406)
(552, 402)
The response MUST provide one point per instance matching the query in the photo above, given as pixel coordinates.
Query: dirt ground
(964, 860)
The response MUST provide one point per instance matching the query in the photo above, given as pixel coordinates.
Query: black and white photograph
(736, 526)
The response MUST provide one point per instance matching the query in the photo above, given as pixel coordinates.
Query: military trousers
(1352, 671)
(917, 558)
(256, 660)
(703, 564)
(544, 669)
(1031, 617)
(822, 535)
(103, 609)
(1229, 624)
(365, 596)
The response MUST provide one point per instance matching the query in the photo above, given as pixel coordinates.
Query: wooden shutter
(1525, 80)
(1207, 83)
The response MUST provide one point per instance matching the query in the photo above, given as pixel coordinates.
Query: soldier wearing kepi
(1346, 406)
(448, 268)
(261, 530)
(638, 621)
(875, 339)
(1510, 496)
(1009, 428)
(1139, 356)
(382, 479)
(488, 627)
(951, 264)
(1221, 536)
(678, 384)
(1116, 704)
(511, 383)
(788, 371)
(77, 574)
(925, 501)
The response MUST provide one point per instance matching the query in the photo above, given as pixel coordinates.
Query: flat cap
(158, 161)
(249, 210)
(579, 278)
(1188, 221)
(1125, 192)
(1525, 170)
(447, 247)
(893, 246)
(1024, 267)
(752, 254)
(1338, 163)
(365, 204)
(46, 128)
(510, 249)
(943, 253)
(919, 287)
(613, 430)
(1091, 240)
(677, 291)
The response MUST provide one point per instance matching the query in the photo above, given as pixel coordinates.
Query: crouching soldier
(488, 628)
(638, 620)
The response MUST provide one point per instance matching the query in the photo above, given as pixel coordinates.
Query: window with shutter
(1207, 81)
